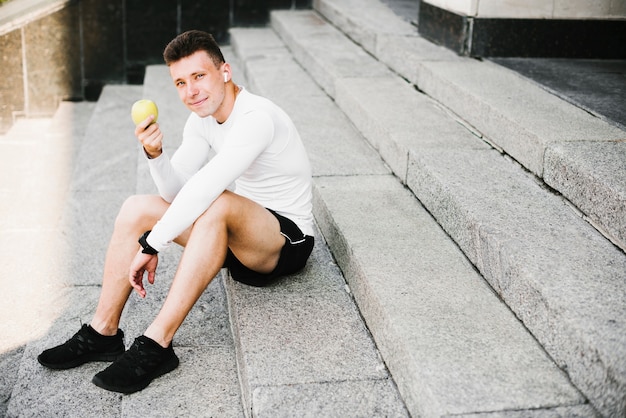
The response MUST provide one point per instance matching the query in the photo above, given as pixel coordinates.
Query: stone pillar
(11, 77)
(527, 28)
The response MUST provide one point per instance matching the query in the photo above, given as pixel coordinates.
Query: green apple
(142, 109)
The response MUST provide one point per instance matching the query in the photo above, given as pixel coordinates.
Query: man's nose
(191, 89)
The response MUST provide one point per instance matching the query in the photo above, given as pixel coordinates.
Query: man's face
(200, 84)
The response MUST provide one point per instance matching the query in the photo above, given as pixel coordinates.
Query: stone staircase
(298, 348)
(529, 188)
(468, 259)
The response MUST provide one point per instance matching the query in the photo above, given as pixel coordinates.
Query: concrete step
(61, 272)
(302, 346)
(304, 350)
(35, 162)
(450, 343)
(573, 151)
(526, 241)
(37, 156)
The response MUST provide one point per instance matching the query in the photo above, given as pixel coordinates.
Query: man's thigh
(253, 232)
(293, 256)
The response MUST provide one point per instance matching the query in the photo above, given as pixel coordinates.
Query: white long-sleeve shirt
(257, 149)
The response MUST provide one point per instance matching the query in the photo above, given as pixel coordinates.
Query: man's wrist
(150, 156)
(146, 248)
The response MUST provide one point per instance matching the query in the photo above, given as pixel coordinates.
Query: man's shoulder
(252, 101)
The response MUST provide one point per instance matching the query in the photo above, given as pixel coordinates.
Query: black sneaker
(144, 361)
(86, 345)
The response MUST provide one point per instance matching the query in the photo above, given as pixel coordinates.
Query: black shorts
(293, 256)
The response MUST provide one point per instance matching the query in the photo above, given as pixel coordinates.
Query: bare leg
(137, 215)
(252, 233)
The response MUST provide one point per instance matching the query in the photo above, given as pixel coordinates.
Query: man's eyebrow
(196, 73)
(190, 75)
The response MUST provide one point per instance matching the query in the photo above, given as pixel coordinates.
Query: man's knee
(222, 210)
(138, 209)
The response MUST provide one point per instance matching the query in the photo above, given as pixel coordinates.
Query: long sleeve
(243, 143)
(171, 175)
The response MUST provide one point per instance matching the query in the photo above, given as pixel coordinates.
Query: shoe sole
(165, 368)
(82, 360)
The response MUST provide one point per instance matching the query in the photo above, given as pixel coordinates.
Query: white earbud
(225, 77)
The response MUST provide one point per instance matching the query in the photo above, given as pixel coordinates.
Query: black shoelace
(140, 358)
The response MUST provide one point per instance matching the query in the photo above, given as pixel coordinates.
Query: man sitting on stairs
(247, 208)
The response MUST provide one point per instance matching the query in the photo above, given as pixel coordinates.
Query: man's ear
(227, 71)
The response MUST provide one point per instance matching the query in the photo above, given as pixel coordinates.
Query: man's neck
(230, 95)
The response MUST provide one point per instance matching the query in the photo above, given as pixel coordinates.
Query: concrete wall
(54, 50)
(536, 9)
(527, 28)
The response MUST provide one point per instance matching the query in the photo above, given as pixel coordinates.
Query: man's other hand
(142, 263)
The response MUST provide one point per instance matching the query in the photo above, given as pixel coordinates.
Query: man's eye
(180, 84)
(199, 76)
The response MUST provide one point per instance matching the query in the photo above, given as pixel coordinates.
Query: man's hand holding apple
(144, 113)
(150, 136)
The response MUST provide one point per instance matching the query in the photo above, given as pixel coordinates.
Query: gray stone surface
(37, 270)
(330, 139)
(39, 391)
(257, 42)
(205, 384)
(325, 130)
(323, 50)
(409, 120)
(326, 353)
(513, 113)
(500, 216)
(19, 177)
(87, 224)
(206, 324)
(106, 159)
(351, 94)
(577, 411)
(373, 398)
(35, 168)
(304, 330)
(407, 54)
(407, 9)
(451, 344)
(516, 115)
(558, 274)
(592, 175)
(392, 40)
(366, 20)
(596, 85)
(9, 367)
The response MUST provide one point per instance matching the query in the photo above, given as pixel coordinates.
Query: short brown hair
(190, 42)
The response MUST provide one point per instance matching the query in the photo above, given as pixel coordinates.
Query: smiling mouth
(199, 102)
